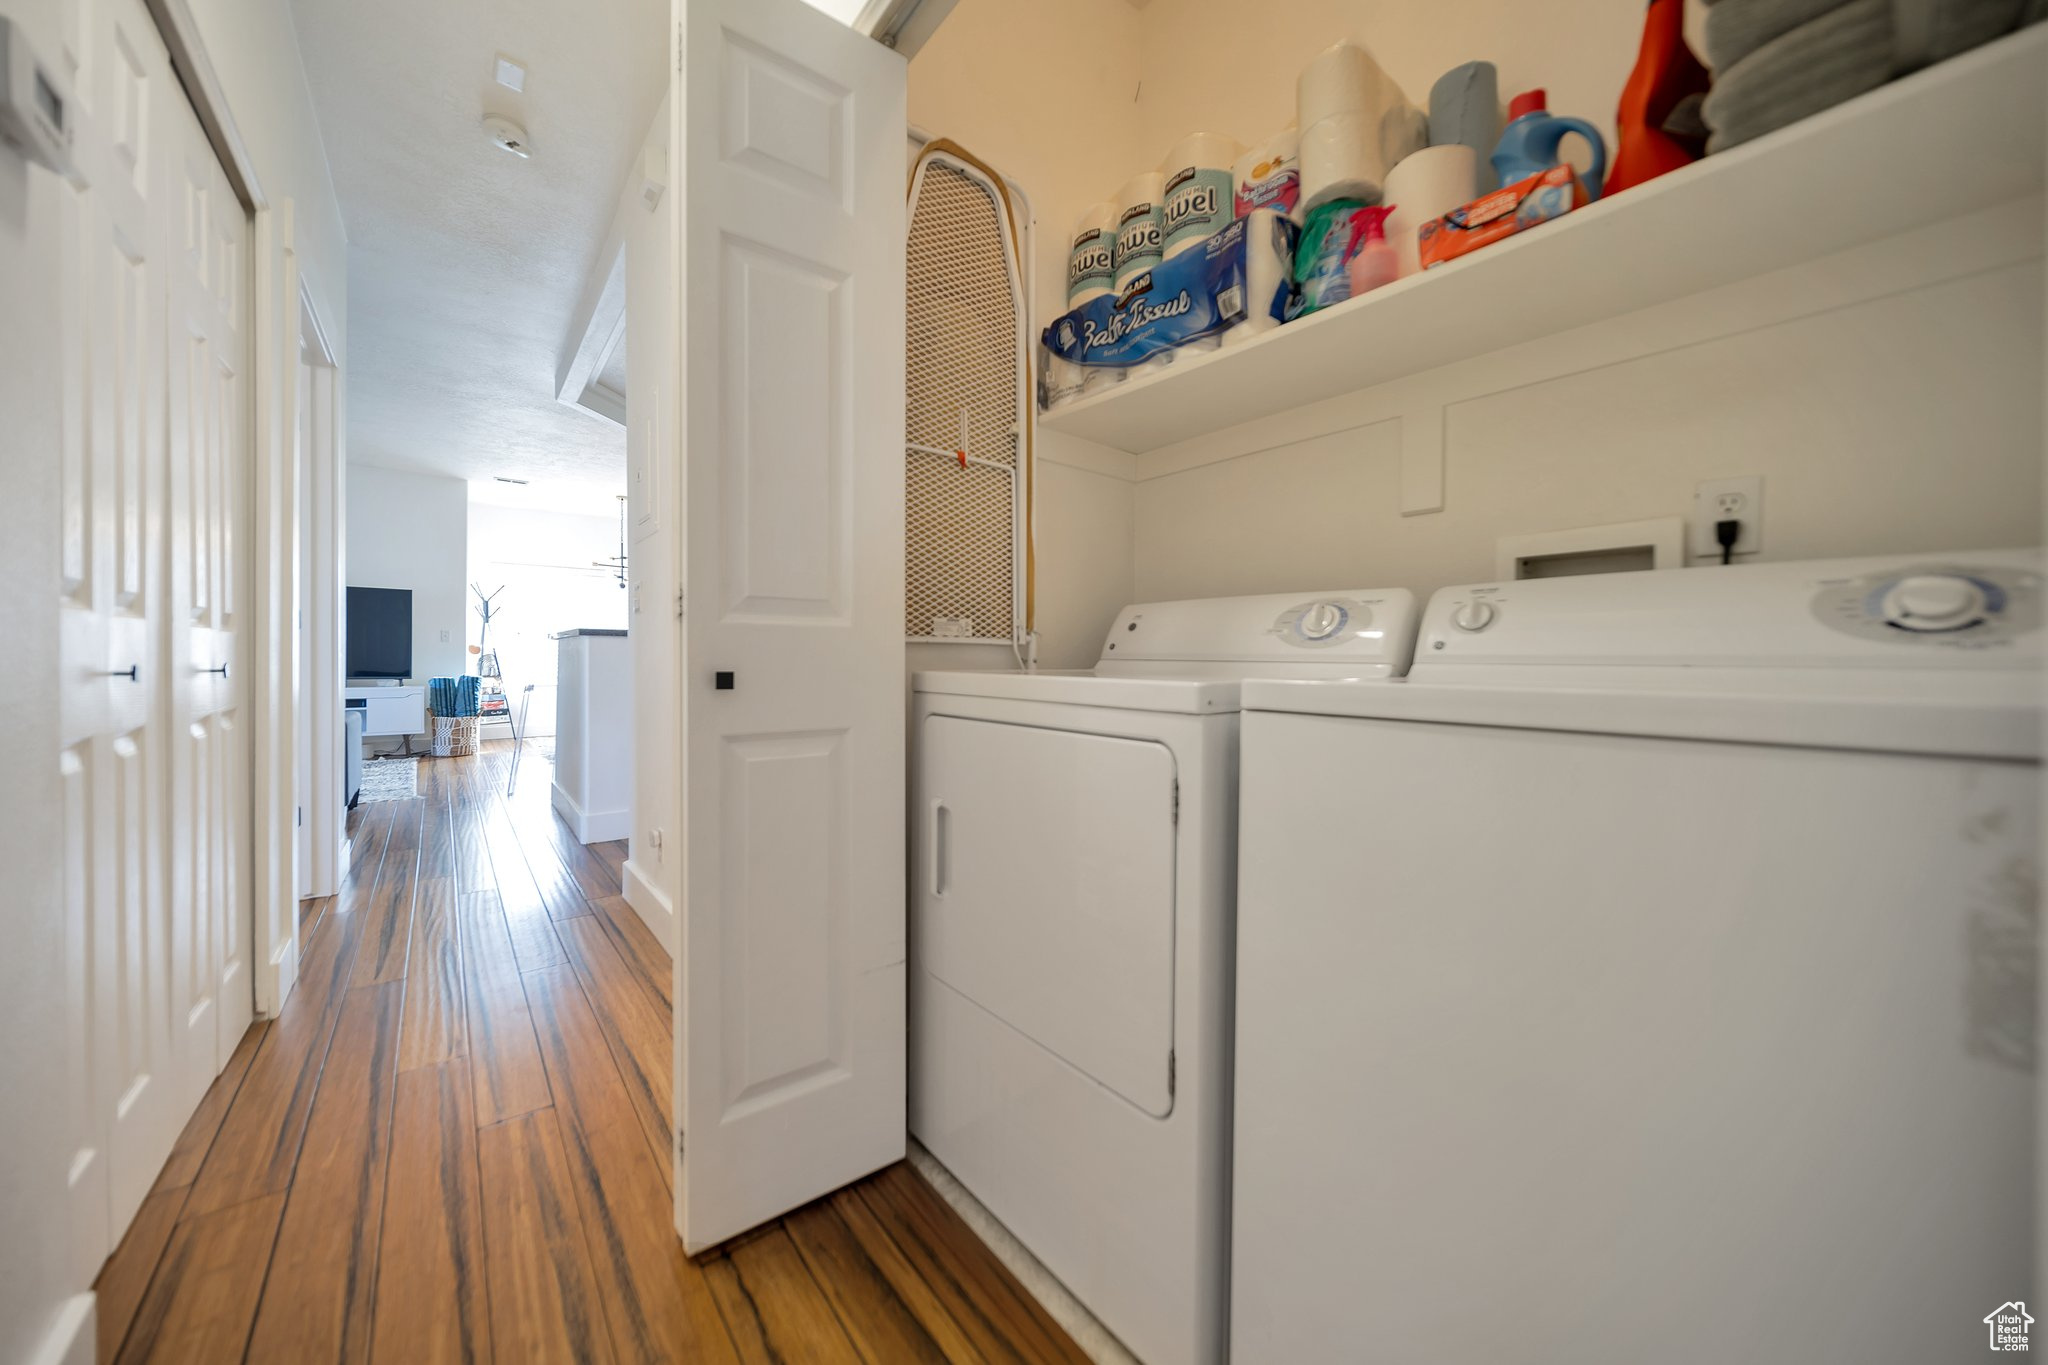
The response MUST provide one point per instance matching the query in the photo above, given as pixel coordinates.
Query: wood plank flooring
(452, 1145)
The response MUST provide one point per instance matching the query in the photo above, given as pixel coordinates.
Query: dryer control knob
(1933, 602)
(1474, 615)
(1321, 620)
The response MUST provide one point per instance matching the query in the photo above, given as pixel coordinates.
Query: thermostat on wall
(35, 113)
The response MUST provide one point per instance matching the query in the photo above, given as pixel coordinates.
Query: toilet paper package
(1190, 298)
(1091, 274)
(1269, 176)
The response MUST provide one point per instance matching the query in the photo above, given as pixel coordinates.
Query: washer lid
(1924, 654)
(1973, 723)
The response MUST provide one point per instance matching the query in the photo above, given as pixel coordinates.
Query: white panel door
(208, 809)
(1045, 886)
(789, 299)
(127, 1111)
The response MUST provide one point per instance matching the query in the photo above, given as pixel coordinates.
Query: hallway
(452, 1145)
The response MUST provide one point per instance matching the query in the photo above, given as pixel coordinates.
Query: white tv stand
(388, 711)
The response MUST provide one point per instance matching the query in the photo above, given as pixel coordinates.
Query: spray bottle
(1377, 262)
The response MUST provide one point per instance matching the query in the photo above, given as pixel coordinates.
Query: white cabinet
(389, 710)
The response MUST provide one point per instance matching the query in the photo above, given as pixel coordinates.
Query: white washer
(1073, 873)
(1650, 977)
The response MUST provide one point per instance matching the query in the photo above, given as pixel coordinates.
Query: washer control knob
(1321, 620)
(1933, 602)
(1477, 614)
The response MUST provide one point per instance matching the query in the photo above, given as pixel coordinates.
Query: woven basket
(454, 736)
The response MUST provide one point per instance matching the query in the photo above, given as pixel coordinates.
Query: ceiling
(466, 264)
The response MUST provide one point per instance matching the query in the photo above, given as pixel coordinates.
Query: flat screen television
(380, 633)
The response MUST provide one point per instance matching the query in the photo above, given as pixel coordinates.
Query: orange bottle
(1666, 74)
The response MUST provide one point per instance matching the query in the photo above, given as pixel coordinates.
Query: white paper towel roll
(1427, 184)
(1269, 176)
(1091, 264)
(1139, 227)
(1199, 192)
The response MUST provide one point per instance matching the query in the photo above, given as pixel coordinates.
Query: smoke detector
(508, 135)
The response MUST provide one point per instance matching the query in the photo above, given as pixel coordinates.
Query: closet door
(208, 814)
(127, 1109)
(790, 1008)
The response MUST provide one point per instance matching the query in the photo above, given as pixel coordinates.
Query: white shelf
(1962, 136)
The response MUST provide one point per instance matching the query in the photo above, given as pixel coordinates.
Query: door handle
(133, 673)
(941, 824)
(222, 670)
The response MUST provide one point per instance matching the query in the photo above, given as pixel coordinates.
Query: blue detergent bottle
(1528, 145)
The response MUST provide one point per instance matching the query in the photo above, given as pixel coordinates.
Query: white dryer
(1073, 874)
(1650, 977)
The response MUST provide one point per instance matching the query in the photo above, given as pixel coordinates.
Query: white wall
(543, 561)
(34, 1253)
(654, 870)
(408, 530)
(1040, 91)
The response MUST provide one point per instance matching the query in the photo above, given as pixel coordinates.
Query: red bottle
(1666, 74)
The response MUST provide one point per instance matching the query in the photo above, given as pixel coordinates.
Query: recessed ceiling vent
(508, 135)
(503, 479)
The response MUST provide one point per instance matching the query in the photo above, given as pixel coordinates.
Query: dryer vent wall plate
(36, 115)
(508, 135)
(1623, 547)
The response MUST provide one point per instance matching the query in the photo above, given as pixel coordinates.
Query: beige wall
(1042, 92)
(1219, 66)
(1887, 411)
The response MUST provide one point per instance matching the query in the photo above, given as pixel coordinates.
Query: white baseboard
(70, 1340)
(591, 826)
(651, 905)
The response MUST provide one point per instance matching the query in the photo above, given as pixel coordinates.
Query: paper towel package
(1091, 274)
(1199, 191)
(1270, 238)
(1140, 226)
(1269, 176)
(1189, 298)
(1355, 124)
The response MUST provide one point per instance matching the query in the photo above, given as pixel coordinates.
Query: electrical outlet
(1740, 499)
(444, 637)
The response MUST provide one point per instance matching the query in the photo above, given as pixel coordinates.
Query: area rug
(391, 779)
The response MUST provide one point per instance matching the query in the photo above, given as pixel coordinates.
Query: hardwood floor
(452, 1145)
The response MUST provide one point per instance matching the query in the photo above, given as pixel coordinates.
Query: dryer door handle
(939, 826)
